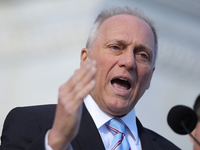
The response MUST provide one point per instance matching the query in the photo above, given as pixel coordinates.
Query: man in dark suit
(116, 69)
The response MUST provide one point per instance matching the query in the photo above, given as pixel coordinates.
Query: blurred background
(41, 41)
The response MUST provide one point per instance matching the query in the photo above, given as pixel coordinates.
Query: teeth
(120, 89)
(123, 79)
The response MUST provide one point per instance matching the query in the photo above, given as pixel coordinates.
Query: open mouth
(121, 84)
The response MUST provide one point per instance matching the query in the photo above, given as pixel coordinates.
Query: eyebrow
(117, 41)
(140, 46)
(144, 47)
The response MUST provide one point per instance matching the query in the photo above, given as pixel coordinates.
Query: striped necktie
(117, 128)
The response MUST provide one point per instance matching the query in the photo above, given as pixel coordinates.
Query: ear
(151, 78)
(84, 55)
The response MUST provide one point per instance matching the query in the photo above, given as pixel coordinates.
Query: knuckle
(80, 95)
(76, 71)
(77, 88)
(61, 88)
(61, 99)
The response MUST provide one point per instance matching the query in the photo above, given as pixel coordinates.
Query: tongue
(120, 84)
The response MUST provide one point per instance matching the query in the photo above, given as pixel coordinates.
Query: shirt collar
(130, 121)
(100, 117)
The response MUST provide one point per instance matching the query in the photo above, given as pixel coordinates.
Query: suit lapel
(147, 139)
(88, 136)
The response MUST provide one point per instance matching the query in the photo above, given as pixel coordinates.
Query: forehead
(129, 21)
(127, 27)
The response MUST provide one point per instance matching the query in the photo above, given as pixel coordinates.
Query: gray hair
(107, 13)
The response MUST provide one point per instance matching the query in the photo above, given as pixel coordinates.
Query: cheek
(105, 65)
(101, 71)
(145, 75)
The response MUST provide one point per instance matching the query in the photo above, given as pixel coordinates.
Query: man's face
(125, 55)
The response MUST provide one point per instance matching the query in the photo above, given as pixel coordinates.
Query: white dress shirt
(100, 118)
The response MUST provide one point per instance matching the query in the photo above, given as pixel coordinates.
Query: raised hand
(69, 108)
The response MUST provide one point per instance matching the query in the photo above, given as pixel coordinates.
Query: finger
(87, 70)
(71, 83)
(84, 87)
(79, 75)
(85, 91)
(77, 83)
(89, 76)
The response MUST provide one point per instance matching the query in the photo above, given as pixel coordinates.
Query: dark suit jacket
(25, 128)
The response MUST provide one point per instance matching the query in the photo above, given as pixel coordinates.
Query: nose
(127, 60)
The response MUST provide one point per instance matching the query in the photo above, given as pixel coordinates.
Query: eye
(144, 56)
(114, 47)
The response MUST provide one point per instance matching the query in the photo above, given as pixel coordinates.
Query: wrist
(58, 143)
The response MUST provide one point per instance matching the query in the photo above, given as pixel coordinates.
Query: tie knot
(116, 126)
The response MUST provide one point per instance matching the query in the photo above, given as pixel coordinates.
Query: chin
(117, 111)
